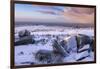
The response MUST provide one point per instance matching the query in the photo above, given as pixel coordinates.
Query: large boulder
(24, 33)
(44, 56)
(24, 41)
(83, 40)
(70, 44)
(59, 48)
(25, 37)
(48, 57)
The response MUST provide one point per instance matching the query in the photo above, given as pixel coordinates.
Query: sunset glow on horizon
(53, 14)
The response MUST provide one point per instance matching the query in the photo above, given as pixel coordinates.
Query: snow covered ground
(41, 29)
(25, 54)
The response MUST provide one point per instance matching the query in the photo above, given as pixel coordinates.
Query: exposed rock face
(24, 33)
(71, 44)
(85, 43)
(24, 41)
(83, 40)
(59, 48)
(63, 43)
(24, 38)
(44, 56)
(92, 47)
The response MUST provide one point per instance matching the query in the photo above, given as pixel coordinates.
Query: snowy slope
(25, 54)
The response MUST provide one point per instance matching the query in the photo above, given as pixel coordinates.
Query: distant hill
(74, 25)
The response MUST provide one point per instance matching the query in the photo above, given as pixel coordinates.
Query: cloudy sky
(45, 14)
